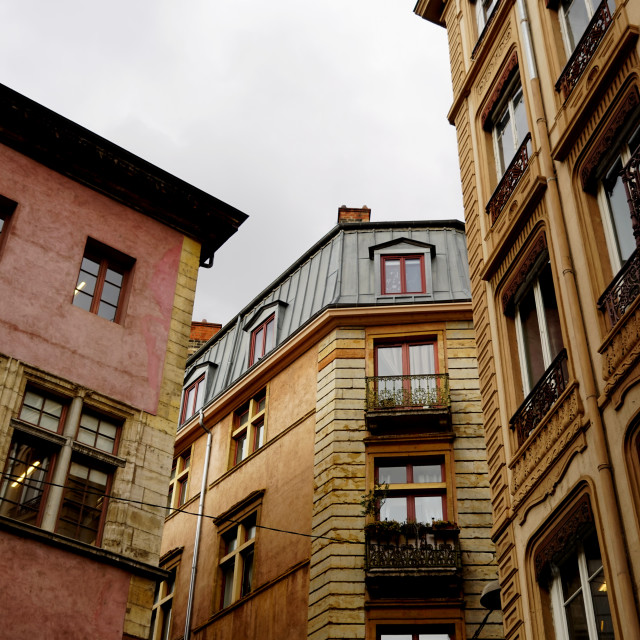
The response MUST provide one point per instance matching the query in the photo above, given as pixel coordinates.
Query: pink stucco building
(99, 255)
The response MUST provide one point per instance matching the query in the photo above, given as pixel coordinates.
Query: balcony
(412, 559)
(541, 398)
(408, 401)
(584, 50)
(510, 179)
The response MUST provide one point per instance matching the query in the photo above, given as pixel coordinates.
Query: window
(537, 325)
(405, 373)
(44, 431)
(162, 607)
(579, 593)
(102, 280)
(193, 399)
(262, 339)
(402, 274)
(7, 207)
(509, 126)
(249, 428)
(574, 19)
(417, 489)
(613, 201)
(484, 11)
(179, 481)
(236, 564)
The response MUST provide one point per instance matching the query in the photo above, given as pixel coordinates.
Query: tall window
(35, 455)
(262, 339)
(537, 326)
(579, 594)
(249, 428)
(574, 19)
(613, 202)
(193, 399)
(236, 563)
(509, 125)
(402, 274)
(101, 281)
(484, 10)
(417, 489)
(179, 481)
(405, 370)
(162, 607)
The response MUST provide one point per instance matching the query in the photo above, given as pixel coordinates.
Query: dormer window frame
(403, 249)
(199, 379)
(266, 318)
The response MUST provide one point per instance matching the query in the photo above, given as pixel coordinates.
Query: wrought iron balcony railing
(585, 49)
(541, 398)
(622, 291)
(510, 179)
(420, 548)
(428, 391)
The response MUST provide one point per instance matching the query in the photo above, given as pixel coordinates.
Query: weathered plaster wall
(39, 266)
(49, 594)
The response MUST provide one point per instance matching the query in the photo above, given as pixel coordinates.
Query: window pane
(520, 120)
(107, 311)
(23, 483)
(534, 360)
(421, 360)
(392, 283)
(114, 278)
(576, 20)
(241, 445)
(505, 141)
(428, 508)
(427, 473)
(394, 509)
(227, 580)
(619, 207)
(82, 300)
(258, 344)
(570, 576)
(42, 411)
(577, 619)
(247, 572)
(392, 474)
(413, 275)
(552, 316)
(268, 341)
(231, 540)
(90, 267)
(389, 361)
(110, 294)
(259, 436)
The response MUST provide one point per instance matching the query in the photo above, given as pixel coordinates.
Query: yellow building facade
(545, 106)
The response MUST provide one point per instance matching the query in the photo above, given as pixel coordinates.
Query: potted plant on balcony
(448, 525)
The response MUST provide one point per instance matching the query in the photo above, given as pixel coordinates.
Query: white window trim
(506, 104)
(563, 24)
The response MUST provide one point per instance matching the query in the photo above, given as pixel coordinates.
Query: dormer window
(262, 339)
(193, 398)
(403, 274)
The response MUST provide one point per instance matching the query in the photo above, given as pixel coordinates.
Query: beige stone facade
(546, 110)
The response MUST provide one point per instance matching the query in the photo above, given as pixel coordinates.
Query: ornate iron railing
(585, 49)
(509, 180)
(397, 392)
(541, 398)
(622, 291)
(431, 549)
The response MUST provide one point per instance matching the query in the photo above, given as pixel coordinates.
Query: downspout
(196, 542)
(619, 566)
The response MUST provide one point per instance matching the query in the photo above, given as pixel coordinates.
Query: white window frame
(507, 104)
(558, 602)
(590, 6)
(484, 10)
(547, 357)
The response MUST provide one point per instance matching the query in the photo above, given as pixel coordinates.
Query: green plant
(372, 502)
(444, 524)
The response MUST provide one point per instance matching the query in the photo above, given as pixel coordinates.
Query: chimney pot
(349, 214)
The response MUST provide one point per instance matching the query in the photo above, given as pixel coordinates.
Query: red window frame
(406, 360)
(410, 494)
(259, 345)
(403, 274)
(110, 263)
(191, 396)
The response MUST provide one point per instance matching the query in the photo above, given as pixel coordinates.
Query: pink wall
(39, 265)
(60, 594)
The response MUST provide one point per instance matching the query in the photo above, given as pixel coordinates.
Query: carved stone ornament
(488, 74)
(505, 76)
(622, 351)
(547, 444)
(563, 536)
(609, 136)
(522, 272)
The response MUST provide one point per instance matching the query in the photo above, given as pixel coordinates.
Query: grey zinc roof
(340, 270)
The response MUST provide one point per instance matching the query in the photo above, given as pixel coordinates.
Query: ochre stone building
(546, 104)
(351, 379)
(99, 255)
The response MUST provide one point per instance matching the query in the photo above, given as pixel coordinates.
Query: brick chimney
(347, 214)
(200, 333)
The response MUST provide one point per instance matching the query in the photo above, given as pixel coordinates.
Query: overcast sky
(285, 109)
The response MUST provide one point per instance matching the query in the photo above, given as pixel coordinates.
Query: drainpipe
(196, 542)
(585, 371)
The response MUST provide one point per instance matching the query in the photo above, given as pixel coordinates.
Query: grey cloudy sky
(285, 109)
